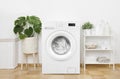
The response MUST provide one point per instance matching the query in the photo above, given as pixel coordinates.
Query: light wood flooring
(92, 72)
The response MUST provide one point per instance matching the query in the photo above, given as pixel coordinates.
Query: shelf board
(97, 63)
(98, 35)
(98, 49)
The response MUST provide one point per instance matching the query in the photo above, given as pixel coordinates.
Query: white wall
(61, 10)
(8, 55)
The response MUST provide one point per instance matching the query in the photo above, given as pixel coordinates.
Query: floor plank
(92, 72)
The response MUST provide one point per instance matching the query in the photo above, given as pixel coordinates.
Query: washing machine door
(61, 45)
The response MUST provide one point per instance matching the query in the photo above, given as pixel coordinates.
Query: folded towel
(102, 59)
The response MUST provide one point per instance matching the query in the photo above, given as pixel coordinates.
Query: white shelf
(103, 41)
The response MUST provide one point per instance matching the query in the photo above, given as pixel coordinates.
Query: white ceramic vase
(87, 32)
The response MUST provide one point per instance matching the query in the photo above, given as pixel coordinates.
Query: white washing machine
(61, 48)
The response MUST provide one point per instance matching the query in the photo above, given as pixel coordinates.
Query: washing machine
(61, 48)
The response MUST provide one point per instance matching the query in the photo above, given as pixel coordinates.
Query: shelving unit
(98, 50)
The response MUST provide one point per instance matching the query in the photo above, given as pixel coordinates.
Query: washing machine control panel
(49, 28)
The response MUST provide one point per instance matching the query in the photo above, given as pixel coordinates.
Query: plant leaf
(29, 31)
(34, 20)
(22, 36)
(17, 29)
(21, 21)
(37, 28)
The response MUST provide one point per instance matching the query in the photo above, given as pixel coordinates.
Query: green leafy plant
(27, 26)
(87, 25)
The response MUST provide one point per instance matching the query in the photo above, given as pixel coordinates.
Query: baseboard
(39, 65)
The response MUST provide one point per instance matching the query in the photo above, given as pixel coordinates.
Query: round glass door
(60, 45)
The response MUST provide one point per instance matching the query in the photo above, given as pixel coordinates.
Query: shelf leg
(113, 66)
(109, 65)
(84, 67)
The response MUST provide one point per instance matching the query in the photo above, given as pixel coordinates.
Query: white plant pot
(87, 32)
(29, 45)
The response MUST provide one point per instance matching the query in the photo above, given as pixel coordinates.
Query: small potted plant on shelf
(27, 29)
(87, 28)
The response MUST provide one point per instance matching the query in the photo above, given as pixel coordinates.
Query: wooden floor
(92, 72)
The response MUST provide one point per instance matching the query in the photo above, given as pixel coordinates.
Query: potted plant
(27, 29)
(87, 28)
